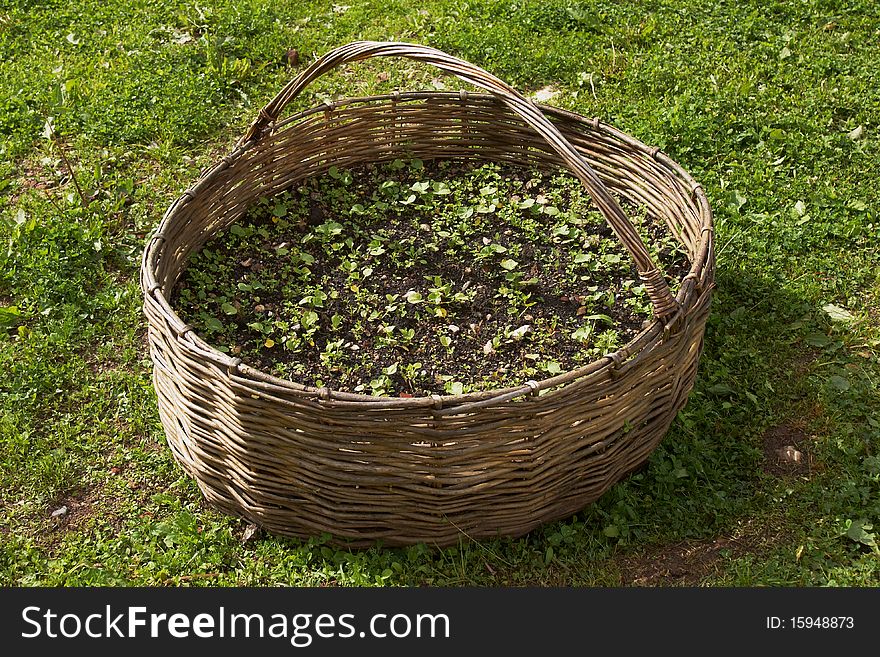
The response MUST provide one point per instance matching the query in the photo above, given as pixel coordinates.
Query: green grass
(773, 106)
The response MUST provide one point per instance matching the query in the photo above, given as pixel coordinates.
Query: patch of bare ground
(78, 507)
(787, 451)
(687, 563)
(34, 175)
(81, 508)
(802, 363)
(871, 304)
(109, 360)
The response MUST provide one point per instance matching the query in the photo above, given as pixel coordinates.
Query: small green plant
(426, 277)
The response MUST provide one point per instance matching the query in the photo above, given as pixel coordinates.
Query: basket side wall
(301, 467)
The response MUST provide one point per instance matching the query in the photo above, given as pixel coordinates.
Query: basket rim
(622, 358)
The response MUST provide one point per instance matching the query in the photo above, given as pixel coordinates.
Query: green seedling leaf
(838, 314)
(818, 340)
(839, 383)
(329, 228)
(737, 200)
(860, 532)
(309, 319)
(721, 390)
(229, 309)
(509, 264)
(553, 367)
(9, 316)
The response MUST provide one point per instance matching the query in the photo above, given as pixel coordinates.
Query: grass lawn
(774, 106)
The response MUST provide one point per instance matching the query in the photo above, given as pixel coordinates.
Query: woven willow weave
(302, 461)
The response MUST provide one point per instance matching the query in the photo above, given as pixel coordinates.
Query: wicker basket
(303, 461)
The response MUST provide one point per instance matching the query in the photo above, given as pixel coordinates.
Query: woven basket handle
(657, 288)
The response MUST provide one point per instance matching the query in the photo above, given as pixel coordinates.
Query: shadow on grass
(768, 449)
(703, 492)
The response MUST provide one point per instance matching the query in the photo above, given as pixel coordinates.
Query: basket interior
(427, 126)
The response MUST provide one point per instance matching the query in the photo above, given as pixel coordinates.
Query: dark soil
(687, 563)
(786, 453)
(419, 242)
